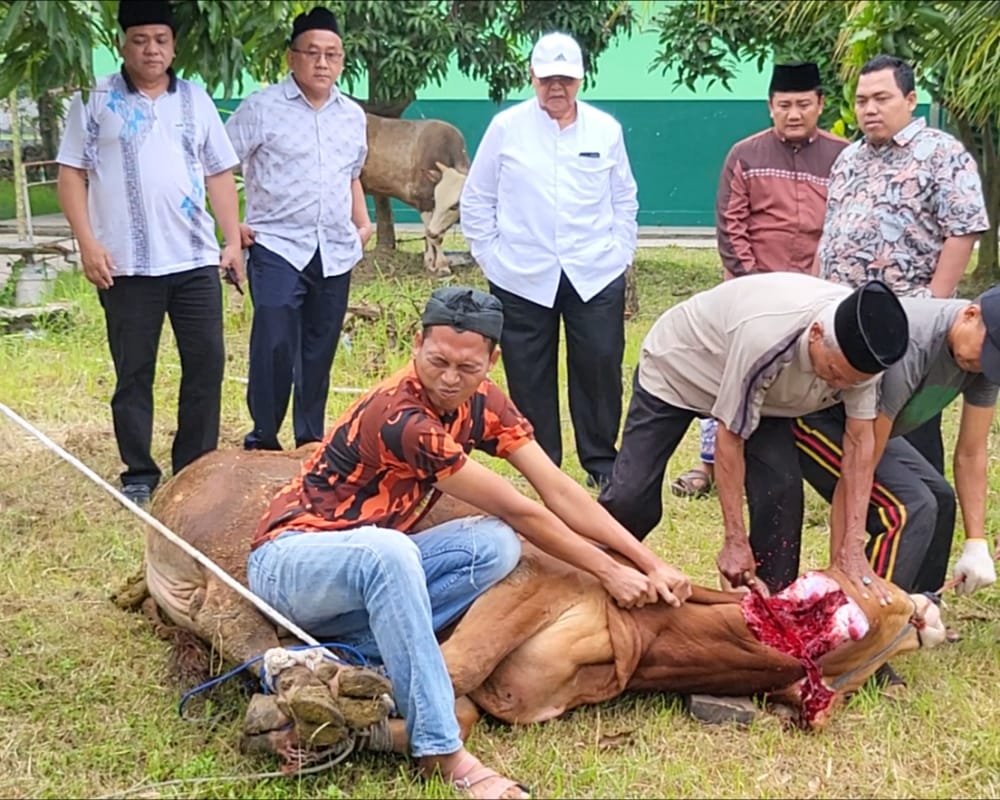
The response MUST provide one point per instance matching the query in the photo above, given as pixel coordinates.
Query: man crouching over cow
(334, 554)
(754, 353)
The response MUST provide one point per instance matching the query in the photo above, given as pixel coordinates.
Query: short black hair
(492, 342)
(901, 71)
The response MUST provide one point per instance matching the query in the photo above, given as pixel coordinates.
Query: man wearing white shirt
(141, 157)
(302, 144)
(549, 211)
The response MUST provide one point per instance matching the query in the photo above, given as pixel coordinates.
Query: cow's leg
(234, 627)
(497, 623)
(435, 261)
(385, 229)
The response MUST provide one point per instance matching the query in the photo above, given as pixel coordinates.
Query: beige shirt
(740, 351)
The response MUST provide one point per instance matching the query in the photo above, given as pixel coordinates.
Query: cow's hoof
(131, 596)
(359, 714)
(263, 715)
(362, 683)
(311, 704)
(716, 710)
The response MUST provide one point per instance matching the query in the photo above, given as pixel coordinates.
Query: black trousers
(911, 512)
(297, 317)
(134, 309)
(654, 429)
(595, 346)
(927, 440)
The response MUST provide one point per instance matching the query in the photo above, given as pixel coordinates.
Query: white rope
(149, 519)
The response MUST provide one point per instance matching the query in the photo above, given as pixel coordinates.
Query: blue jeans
(386, 593)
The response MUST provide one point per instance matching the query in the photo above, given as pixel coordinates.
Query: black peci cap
(465, 309)
(802, 77)
(145, 12)
(871, 328)
(319, 19)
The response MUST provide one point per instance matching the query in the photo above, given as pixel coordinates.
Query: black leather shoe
(138, 493)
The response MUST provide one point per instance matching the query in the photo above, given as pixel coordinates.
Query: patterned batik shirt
(380, 461)
(890, 207)
(146, 161)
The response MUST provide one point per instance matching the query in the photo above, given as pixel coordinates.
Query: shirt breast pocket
(591, 177)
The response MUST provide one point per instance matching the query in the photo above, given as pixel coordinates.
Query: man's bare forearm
(730, 476)
(857, 472)
(221, 189)
(951, 264)
(72, 191)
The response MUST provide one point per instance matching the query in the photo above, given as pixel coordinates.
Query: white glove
(975, 567)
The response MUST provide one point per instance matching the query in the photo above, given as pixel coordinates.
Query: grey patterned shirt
(298, 163)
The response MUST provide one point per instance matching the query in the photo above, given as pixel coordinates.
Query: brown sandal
(693, 483)
(478, 780)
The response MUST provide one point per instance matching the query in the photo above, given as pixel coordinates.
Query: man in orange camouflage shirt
(334, 551)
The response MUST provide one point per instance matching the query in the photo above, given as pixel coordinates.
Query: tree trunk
(20, 190)
(989, 259)
(631, 293)
(984, 145)
(49, 107)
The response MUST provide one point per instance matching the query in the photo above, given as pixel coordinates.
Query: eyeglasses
(331, 56)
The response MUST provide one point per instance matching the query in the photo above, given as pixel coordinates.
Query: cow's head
(448, 183)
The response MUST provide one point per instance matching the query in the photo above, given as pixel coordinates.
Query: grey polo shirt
(925, 380)
(740, 351)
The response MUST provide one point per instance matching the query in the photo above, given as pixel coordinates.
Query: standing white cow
(422, 163)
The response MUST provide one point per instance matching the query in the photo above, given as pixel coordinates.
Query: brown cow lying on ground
(548, 638)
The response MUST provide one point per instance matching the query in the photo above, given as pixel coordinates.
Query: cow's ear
(433, 175)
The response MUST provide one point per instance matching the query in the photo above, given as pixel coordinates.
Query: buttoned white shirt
(298, 163)
(540, 201)
(146, 161)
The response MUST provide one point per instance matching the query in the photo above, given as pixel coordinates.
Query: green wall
(676, 147)
(677, 139)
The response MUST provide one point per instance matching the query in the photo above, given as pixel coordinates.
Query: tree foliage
(955, 47)
(400, 47)
(709, 42)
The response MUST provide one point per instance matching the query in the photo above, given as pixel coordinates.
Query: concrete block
(715, 710)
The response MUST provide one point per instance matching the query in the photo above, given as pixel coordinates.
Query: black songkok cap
(465, 309)
(871, 328)
(795, 78)
(319, 18)
(989, 307)
(145, 12)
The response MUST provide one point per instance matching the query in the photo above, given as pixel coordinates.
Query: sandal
(479, 781)
(693, 483)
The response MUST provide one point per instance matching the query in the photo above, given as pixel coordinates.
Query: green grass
(43, 199)
(89, 710)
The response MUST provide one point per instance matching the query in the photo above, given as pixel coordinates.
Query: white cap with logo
(557, 54)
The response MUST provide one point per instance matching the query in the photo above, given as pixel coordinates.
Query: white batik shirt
(146, 162)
